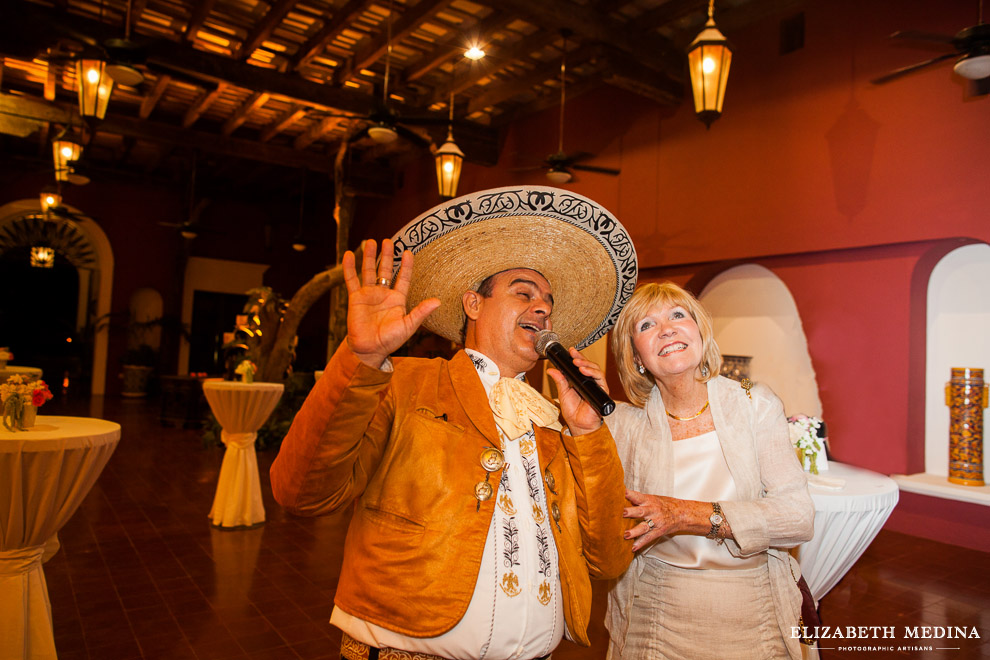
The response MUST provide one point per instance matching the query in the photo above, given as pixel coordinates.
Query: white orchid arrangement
(246, 370)
(807, 438)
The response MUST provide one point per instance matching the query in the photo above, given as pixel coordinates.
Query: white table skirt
(12, 370)
(846, 522)
(46, 472)
(241, 409)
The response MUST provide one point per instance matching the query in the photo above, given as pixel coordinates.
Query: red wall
(147, 254)
(842, 188)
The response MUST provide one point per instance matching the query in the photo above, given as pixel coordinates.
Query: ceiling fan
(122, 56)
(971, 47)
(189, 228)
(560, 164)
(385, 124)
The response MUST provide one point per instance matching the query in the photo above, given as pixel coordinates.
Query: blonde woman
(716, 496)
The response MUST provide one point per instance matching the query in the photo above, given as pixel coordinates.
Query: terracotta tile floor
(141, 574)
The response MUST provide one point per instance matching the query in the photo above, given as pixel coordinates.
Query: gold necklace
(688, 419)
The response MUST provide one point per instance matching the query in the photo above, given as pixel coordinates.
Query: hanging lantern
(50, 198)
(95, 86)
(42, 256)
(709, 57)
(65, 152)
(449, 159)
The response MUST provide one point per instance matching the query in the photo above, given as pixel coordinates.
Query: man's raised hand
(377, 323)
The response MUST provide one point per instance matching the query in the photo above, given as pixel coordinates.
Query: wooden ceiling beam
(202, 104)
(283, 121)
(491, 63)
(38, 112)
(407, 22)
(199, 15)
(330, 31)
(507, 89)
(316, 131)
(626, 73)
(149, 102)
(240, 115)
(551, 99)
(453, 45)
(264, 28)
(217, 144)
(652, 50)
(137, 8)
(32, 34)
(668, 12)
(51, 81)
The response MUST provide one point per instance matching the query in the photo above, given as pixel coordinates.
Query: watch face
(716, 519)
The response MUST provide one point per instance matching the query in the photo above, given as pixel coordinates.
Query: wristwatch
(716, 519)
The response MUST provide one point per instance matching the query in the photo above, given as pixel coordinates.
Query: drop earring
(704, 371)
(641, 369)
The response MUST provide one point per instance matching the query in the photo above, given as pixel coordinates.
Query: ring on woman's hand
(649, 522)
(383, 281)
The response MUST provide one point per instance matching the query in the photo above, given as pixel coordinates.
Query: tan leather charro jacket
(407, 445)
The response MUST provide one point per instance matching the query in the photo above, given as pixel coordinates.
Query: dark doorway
(38, 311)
(213, 314)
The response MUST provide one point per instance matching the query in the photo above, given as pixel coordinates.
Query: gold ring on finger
(383, 281)
(649, 522)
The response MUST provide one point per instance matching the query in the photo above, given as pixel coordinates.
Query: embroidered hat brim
(582, 250)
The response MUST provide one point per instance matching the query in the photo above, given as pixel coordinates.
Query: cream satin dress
(694, 600)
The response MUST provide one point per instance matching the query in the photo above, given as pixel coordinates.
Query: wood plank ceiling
(282, 82)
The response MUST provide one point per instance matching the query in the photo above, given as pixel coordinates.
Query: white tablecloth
(11, 370)
(241, 409)
(45, 473)
(846, 522)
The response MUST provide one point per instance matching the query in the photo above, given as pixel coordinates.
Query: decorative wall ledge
(936, 485)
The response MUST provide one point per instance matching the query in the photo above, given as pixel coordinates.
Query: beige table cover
(45, 473)
(847, 519)
(11, 370)
(241, 409)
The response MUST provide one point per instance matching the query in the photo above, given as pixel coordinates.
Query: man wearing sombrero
(479, 519)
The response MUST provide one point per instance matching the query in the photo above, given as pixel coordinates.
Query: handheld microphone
(548, 345)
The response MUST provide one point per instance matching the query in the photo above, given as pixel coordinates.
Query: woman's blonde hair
(638, 386)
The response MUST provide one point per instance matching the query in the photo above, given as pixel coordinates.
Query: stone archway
(82, 242)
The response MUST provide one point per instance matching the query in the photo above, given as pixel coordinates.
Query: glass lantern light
(449, 159)
(65, 152)
(95, 86)
(709, 57)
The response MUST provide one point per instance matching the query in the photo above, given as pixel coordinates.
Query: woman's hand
(669, 515)
(581, 417)
(377, 323)
(663, 512)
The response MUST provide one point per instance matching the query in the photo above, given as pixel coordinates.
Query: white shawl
(774, 511)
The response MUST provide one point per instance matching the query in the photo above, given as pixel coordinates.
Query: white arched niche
(957, 334)
(754, 314)
(146, 306)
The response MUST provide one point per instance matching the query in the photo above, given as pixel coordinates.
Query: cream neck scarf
(514, 403)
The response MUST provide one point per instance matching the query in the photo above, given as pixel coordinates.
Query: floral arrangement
(18, 393)
(246, 370)
(807, 436)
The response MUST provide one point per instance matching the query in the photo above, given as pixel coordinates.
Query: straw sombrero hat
(582, 250)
